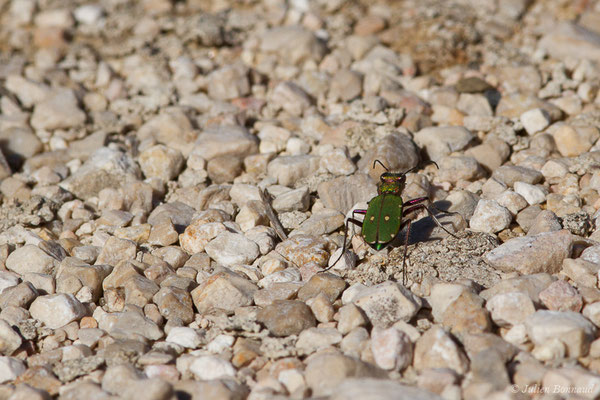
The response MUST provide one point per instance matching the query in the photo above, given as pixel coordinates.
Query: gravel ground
(175, 177)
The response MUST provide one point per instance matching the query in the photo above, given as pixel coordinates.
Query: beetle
(386, 212)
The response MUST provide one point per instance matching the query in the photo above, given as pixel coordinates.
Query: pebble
(387, 303)
(510, 309)
(293, 200)
(490, 217)
(436, 349)
(106, 168)
(161, 162)
(303, 249)
(31, 258)
(230, 249)
(286, 317)
(223, 290)
(535, 120)
(198, 234)
(20, 295)
(512, 201)
(543, 252)
(185, 337)
(328, 284)
(509, 174)
(343, 193)
(293, 44)
(10, 340)
(174, 302)
(560, 296)
(571, 328)
(10, 369)
(57, 310)
(545, 221)
(455, 169)
(533, 194)
(355, 389)
(350, 317)
(288, 169)
(58, 110)
(314, 339)
(392, 349)
(441, 141)
(211, 367)
(325, 371)
(225, 141)
(229, 82)
(396, 151)
(320, 223)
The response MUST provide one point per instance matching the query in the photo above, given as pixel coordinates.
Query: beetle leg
(431, 214)
(355, 222)
(408, 222)
(417, 200)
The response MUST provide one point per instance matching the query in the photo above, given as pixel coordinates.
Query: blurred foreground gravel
(137, 256)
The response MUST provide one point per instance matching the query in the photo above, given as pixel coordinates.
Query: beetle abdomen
(383, 220)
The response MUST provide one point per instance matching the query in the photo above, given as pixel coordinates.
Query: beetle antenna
(380, 163)
(420, 166)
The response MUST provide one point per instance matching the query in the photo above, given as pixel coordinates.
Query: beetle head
(392, 182)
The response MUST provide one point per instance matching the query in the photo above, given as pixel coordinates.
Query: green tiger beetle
(385, 212)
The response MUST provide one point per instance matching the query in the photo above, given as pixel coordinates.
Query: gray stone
(224, 290)
(544, 252)
(234, 141)
(324, 372)
(230, 249)
(161, 162)
(31, 258)
(292, 44)
(441, 141)
(59, 110)
(344, 192)
(387, 303)
(286, 317)
(10, 340)
(289, 169)
(571, 328)
(106, 168)
(396, 151)
(357, 389)
(490, 217)
(57, 310)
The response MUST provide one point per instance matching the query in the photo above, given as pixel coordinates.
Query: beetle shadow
(425, 229)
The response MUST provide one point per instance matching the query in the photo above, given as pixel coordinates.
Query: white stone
(58, 111)
(532, 193)
(57, 310)
(88, 14)
(313, 339)
(571, 328)
(509, 309)
(10, 369)
(392, 349)
(184, 336)
(490, 217)
(230, 249)
(8, 279)
(30, 258)
(535, 120)
(442, 295)
(387, 303)
(211, 367)
(220, 344)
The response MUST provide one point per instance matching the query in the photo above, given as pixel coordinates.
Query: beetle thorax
(390, 187)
